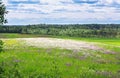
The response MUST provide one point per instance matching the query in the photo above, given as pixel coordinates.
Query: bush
(1, 45)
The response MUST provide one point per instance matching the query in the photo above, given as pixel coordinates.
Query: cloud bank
(62, 11)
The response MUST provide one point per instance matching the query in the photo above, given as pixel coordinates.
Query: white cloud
(58, 9)
(55, 1)
(117, 1)
(5, 2)
(108, 2)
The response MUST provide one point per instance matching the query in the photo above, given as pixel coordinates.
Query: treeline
(71, 30)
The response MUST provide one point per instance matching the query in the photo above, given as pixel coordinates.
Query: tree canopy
(3, 12)
(70, 30)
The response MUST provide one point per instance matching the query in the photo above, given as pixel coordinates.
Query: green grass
(21, 61)
(16, 35)
(113, 41)
(109, 43)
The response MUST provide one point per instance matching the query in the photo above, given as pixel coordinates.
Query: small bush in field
(1, 45)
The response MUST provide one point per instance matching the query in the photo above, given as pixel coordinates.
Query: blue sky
(62, 11)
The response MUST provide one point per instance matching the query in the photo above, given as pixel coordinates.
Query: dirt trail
(60, 43)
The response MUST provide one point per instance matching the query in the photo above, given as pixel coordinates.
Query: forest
(71, 30)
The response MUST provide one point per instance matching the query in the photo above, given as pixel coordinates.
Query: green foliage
(76, 30)
(9, 69)
(2, 13)
(1, 45)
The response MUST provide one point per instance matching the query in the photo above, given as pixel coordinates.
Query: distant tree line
(71, 30)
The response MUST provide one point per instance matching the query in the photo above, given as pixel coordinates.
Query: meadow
(59, 50)
(19, 60)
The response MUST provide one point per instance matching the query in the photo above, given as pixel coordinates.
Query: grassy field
(19, 60)
(114, 41)
(16, 35)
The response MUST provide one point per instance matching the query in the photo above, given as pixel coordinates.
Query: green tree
(3, 12)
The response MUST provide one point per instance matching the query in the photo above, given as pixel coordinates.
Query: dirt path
(60, 43)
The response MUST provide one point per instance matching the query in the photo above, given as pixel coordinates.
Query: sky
(24, 12)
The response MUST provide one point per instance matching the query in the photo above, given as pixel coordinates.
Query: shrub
(1, 45)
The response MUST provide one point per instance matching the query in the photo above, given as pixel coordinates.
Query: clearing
(60, 58)
(58, 43)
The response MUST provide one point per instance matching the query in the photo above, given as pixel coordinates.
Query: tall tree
(3, 12)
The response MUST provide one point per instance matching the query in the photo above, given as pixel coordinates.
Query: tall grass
(21, 61)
